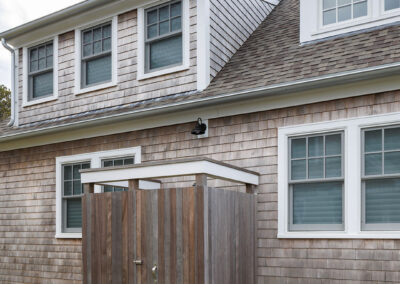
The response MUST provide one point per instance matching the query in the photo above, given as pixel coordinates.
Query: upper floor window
(392, 4)
(163, 36)
(335, 11)
(114, 163)
(96, 55)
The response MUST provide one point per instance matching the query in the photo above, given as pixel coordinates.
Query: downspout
(13, 96)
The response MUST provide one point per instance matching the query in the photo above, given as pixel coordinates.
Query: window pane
(360, 9)
(329, 4)
(316, 168)
(76, 170)
(49, 49)
(42, 52)
(118, 162)
(298, 169)
(86, 166)
(152, 31)
(130, 161)
(97, 48)
(67, 172)
(373, 164)
(34, 54)
(42, 85)
(116, 189)
(392, 163)
(87, 50)
(176, 9)
(74, 213)
(42, 63)
(316, 146)
(373, 141)
(176, 24)
(333, 145)
(67, 188)
(382, 199)
(298, 148)
(107, 31)
(97, 34)
(49, 61)
(164, 28)
(344, 13)
(392, 139)
(343, 2)
(34, 66)
(333, 167)
(166, 52)
(77, 187)
(329, 17)
(164, 13)
(108, 163)
(392, 4)
(108, 188)
(317, 203)
(152, 17)
(87, 37)
(98, 70)
(107, 44)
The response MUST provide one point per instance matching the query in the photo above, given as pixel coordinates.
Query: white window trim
(141, 74)
(311, 27)
(114, 57)
(352, 164)
(25, 67)
(95, 159)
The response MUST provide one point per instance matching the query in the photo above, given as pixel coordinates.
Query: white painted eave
(168, 169)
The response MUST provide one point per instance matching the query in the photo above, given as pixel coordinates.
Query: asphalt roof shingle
(273, 55)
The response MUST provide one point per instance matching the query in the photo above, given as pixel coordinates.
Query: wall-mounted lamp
(200, 130)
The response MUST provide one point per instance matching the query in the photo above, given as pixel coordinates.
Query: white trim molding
(351, 128)
(203, 44)
(95, 159)
(141, 49)
(114, 57)
(25, 70)
(311, 27)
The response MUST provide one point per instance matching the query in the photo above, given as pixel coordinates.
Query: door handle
(154, 271)
(138, 261)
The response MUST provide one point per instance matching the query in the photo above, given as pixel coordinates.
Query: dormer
(321, 19)
(98, 55)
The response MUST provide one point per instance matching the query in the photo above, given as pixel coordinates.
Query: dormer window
(163, 36)
(392, 4)
(336, 11)
(40, 71)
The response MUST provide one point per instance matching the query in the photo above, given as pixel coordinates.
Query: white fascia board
(170, 170)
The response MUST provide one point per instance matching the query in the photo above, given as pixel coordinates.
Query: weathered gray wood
(201, 180)
(133, 184)
(88, 188)
(116, 233)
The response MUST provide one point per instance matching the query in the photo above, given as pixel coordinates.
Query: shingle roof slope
(271, 55)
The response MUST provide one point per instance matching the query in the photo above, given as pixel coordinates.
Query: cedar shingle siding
(29, 252)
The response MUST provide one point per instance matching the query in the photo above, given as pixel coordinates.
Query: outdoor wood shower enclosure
(177, 235)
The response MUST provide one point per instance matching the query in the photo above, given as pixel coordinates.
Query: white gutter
(14, 99)
(276, 89)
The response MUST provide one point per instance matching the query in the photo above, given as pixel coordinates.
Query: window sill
(143, 76)
(69, 236)
(95, 88)
(339, 235)
(39, 101)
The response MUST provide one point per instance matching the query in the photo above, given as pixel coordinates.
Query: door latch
(138, 261)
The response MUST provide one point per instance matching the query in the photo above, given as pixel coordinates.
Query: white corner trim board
(351, 128)
(95, 159)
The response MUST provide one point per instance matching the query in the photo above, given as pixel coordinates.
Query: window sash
(113, 160)
(336, 9)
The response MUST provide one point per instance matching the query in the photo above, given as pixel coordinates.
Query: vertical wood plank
(85, 266)
(192, 240)
(185, 233)
(116, 235)
(88, 188)
(161, 236)
(139, 241)
(199, 235)
(179, 238)
(133, 184)
(132, 241)
(173, 229)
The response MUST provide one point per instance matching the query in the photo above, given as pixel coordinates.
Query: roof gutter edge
(314, 82)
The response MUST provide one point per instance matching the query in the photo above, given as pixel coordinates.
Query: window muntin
(381, 179)
(113, 163)
(40, 75)
(316, 182)
(392, 4)
(72, 192)
(96, 55)
(163, 36)
(336, 11)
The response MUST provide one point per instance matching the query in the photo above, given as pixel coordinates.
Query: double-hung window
(114, 163)
(163, 36)
(336, 11)
(381, 179)
(96, 55)
(392, 4)
(316, 182)
(40, 74)
(72, 192)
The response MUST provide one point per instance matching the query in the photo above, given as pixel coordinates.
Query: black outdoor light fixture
(200, 128)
